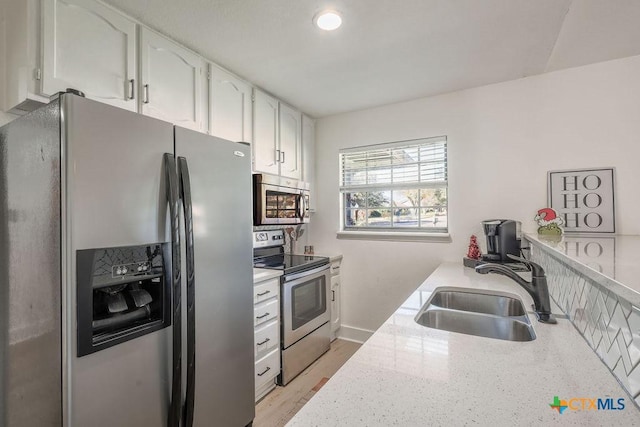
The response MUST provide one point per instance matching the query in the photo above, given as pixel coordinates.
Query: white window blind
(399, 186)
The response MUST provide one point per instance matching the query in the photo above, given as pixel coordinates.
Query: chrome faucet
(537, 288)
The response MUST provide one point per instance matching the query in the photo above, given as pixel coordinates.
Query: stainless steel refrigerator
(125, 272)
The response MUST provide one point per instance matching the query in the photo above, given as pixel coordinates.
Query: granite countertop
(262, 274)
(408, 375)
(611, 260)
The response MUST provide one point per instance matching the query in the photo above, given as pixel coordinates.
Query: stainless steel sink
(475, 312)
(499, 305)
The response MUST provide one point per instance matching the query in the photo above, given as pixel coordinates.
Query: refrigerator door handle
(176, 362)
(185, 195)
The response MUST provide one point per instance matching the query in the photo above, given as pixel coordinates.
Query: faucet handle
(536, 269)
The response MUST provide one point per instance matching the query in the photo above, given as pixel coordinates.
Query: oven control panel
(266, 238)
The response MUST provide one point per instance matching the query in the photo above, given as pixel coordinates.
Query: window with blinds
(399, 186)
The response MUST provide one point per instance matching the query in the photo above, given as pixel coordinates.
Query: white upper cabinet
(20, 56)
(229, 107)
(290, 142)
(277, 137)
(170, 81)
(266, 155)
(89, 47)
(308, 157)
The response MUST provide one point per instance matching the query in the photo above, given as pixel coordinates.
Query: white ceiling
(392, 50)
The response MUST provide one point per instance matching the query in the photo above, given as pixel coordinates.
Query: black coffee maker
(503, 237)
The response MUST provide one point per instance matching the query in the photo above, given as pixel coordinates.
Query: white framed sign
(584, 199)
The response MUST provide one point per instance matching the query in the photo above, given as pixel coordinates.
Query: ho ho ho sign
(584, 199)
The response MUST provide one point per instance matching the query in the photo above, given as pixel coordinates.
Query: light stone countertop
(410, 375)
(262, 274)
(335, 258)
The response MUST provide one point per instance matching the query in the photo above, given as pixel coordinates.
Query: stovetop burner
(290, 263)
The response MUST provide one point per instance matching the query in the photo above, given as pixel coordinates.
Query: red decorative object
(474, 249)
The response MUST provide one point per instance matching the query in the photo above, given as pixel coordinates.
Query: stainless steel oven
(304, 302)
(306, 315)
(278, 200)
(305, 306)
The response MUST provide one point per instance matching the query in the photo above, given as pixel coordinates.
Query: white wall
(502, 140)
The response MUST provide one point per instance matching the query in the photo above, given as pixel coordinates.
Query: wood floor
(279, 406)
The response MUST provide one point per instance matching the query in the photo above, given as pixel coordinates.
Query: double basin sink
(477, 312)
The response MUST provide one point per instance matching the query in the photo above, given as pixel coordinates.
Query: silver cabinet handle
(264, 315)
(261, 294)
(333, 295)
(266, 340)
(132, 90)
(277, 156)
(264, 372)
(145, 99)
(282, 161)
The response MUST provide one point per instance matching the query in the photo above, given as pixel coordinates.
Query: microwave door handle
(175, 408)
(301, 207)
(185, 195)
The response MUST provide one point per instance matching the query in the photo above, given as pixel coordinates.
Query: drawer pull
(265, 371)
(264, 315)
(266, 340)
(261, 294)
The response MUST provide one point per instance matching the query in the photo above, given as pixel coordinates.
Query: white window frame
(435, 180)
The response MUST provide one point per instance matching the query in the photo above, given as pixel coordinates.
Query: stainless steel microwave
(278, 200)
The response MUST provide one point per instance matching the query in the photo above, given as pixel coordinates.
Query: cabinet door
(265, 133)
(290, 142)
(170, 81)
(230, 106)
(89, 47)
(335, 303)
(308, 158)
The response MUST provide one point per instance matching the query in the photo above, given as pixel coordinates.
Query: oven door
(305, 303)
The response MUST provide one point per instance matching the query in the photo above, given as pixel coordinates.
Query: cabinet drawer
(266, 290)
(267, 338)
(267, 368)
(266, 311)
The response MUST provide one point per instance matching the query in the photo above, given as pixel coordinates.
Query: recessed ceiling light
(328, 20)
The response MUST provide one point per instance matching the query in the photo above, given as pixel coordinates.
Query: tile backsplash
(609, 323)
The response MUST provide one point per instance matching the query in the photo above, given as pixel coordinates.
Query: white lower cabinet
(266, 311)
(266, 371)
(266, 319)
(267, 339)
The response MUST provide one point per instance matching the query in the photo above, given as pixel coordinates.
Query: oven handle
(175, 408)
(306, 275)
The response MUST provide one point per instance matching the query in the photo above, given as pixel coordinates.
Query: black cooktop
(290, 263)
